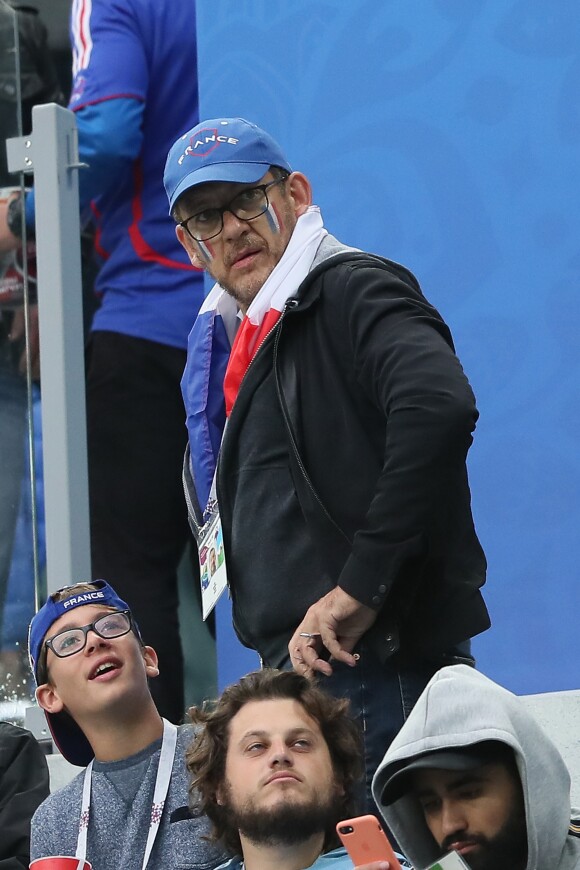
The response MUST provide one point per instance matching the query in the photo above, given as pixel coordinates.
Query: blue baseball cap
(67, 735)
(222, 149)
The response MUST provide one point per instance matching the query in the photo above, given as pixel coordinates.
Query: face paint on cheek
(206, 251)
(273, 219)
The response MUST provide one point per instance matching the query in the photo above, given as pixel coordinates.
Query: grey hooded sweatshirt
(460, 707)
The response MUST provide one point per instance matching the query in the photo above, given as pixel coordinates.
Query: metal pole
(51, 153)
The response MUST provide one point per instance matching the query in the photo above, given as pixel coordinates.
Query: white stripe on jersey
(82, 42)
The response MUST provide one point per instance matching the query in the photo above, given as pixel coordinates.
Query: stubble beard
(288, 822)
(245, 295)
(249, 287)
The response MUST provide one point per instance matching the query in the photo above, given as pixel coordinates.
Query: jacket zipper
(265, 338)
(190, 508)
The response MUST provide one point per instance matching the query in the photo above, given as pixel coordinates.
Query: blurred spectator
(15, 674)
(38, 84)
(134, 91)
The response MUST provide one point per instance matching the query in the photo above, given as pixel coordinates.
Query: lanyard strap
(81, 852)
(211, 507)
(162, 780)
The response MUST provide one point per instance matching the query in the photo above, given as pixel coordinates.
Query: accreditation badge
(212, 564)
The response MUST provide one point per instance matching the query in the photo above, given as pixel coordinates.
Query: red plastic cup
(60, 862)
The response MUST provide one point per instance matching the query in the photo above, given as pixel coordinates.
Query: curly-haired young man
(274, 766)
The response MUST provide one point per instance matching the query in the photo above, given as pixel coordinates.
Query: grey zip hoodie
(460, 707)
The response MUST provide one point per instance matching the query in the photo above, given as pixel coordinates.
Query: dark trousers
(139, 529)
(381, 697)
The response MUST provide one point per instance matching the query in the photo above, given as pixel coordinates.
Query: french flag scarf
(268, 304)
(213, 340)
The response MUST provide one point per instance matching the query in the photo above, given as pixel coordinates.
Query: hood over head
(458, 709)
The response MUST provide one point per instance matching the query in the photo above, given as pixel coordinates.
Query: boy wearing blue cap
(349, 421)
(129, 807)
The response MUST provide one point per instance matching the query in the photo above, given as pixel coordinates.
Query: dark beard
(286, 823)
(508, 850)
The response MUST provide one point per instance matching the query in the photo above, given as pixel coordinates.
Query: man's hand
(8, 241)
(335, 623)
(374, 865)
(17, 332)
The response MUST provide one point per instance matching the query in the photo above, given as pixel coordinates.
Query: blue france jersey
(134, 92)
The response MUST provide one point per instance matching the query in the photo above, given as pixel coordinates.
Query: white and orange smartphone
(365, 841)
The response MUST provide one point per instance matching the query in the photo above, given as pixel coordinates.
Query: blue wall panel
(446, 135)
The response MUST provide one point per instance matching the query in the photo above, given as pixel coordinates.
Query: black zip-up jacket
(378, 417)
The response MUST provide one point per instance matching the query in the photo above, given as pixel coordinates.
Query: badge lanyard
(212, 560)
(162, 780)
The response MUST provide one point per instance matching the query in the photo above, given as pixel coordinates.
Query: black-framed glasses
(73, 640)
(246, 206)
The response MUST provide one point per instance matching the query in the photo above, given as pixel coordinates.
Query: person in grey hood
(472, 771)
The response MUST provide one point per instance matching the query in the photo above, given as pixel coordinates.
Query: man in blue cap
(92, 670)
(341, 489)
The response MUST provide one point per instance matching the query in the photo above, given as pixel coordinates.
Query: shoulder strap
(312, 506)
(384, 634)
